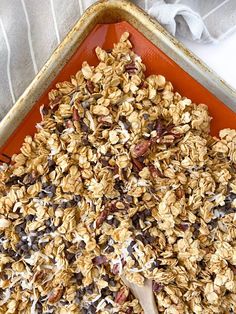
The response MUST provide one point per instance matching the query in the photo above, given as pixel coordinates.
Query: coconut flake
(7, 294)
(33, 307)
(101, 305)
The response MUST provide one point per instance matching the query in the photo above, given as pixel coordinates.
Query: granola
(121, 177)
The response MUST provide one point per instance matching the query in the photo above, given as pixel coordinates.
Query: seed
(70, 257)
(29, 178)
(196, 227)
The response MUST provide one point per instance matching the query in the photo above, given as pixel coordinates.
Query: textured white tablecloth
(221, 57)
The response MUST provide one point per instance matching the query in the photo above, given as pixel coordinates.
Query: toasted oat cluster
(122, 177)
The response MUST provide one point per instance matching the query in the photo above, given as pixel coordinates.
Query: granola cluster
(121, 178)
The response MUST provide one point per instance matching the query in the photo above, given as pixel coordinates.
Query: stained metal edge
(111, 11)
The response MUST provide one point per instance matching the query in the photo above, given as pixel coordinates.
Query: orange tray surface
(104, 35)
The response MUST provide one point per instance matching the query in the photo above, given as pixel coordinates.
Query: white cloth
(30, 30)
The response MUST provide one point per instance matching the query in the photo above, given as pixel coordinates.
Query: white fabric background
(30, 30)
(219, 56)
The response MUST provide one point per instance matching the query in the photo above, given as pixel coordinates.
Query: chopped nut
(102, 217)
(75, 114)
(141, 148)
(179, 193)
(90, 86)
(122, 295)
(55, 295)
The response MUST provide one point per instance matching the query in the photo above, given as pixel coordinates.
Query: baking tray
(102, 25)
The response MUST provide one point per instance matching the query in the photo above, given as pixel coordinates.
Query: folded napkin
(30, 30)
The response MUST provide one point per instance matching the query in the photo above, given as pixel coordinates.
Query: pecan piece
(122, 296)
(43, 111)
(183, 226)
(176, 135)
(138, 164)
(130, 68)
(55, 103)
(143, 85)
(55, 295)
(115, 268)
(141, 148)
(155, 173)
(179, 193)
(169, 128)
(101, 218)
(233, 268)
(159, 127)
(69, 124)
(90, 86)
(75, 116)
(39, 276)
